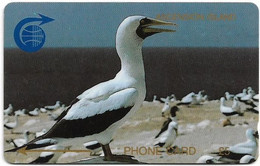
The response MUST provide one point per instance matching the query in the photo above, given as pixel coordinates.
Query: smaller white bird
(9, 110)
(173, 98)
(49, 157)
(205, 98)
(240, 95)
(40, 133)
(94, 146)
(12, 125)
(155, 100)
(228, 111)
(34, 112)
(206, 159)
(21, 141)
(167, 99)
(239, 150)
(168, 136)
(53, 107)
(229, 96)
(247, 97)
(256, 97)
(188, 99)
(43, 110)
(247, 159)
(199, 97)
(236, 106)
(20, 112)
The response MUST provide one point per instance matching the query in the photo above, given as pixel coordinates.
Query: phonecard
(131, 83)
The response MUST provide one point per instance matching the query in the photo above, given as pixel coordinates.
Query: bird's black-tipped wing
(164, 127)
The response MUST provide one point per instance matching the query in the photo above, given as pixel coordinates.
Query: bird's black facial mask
(144, 30)
(144, 23)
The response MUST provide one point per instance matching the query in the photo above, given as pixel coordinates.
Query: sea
(60, 74)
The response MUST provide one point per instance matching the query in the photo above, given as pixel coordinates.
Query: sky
(95, 24)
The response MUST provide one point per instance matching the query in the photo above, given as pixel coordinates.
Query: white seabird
(155, 100)
(21, 112)
(256, 97)
(34, 112)
(206, 159)
(100, 110)
(247, 97)
(40, 133)
(43, 110)
(168, 136)
(239, 150)
(240, 95)
(229, 96)
(247, 159)
(236, 105)
(21, 141)
(188, 99)
(12, 125)
(94, 146)
(199, 97)
(9, 110)
(53, 107)
(48, 157)
(228, 111)
(172, 117)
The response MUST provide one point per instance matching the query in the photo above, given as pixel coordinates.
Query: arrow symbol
(25, 151)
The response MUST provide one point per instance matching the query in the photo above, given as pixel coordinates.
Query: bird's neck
(130, 53)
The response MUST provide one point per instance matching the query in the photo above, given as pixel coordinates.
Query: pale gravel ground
(139, 131)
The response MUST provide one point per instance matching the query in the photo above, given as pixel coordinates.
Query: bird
(236, 105)
(199, 97)
(40, 133)
(188, 99)
(240, 95)
(34, 112)
(247, 159)
(43, 110)
(12, 125)
(155, 100)
(48, 157)
(206, 159)
(53, 107)
(21, 112)
(9, 110)
(229, 96)
(256, 97)
(94, 146)
(236, 152)
(169, 120)
(168, 136)
(248, 97)
(21, 141)
(227, 111)
(173, 98)
(99, 111)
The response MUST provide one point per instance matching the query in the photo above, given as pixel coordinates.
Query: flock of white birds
(244, 152)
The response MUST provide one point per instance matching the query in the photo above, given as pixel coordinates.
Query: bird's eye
(142, 22)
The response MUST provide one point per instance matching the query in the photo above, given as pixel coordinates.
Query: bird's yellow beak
(154, 22)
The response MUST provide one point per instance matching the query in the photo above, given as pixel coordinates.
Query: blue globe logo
(33, 37)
